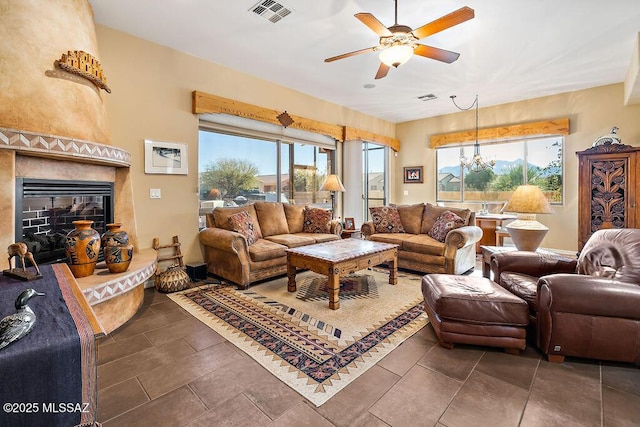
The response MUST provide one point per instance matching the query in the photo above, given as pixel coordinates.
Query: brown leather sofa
(585, 308)
(228, 255)
(420, 252)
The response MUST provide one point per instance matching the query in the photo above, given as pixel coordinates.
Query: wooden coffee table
(339, 257)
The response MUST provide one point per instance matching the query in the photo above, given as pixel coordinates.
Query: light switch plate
(406, 192)
(154, 193)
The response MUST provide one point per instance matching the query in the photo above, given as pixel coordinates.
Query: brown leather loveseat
(417, 250)
(589, 308)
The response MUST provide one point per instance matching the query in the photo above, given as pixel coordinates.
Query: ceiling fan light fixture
(396, 55)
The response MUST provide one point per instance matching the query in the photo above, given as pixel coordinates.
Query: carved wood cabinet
(608, 184)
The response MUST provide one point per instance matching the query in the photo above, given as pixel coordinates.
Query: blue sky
(541, 152)
(214, 145)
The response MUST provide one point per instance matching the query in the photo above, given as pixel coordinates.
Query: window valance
(542, 128)
(212, 106)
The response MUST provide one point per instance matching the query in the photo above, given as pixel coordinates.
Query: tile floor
(165, 368)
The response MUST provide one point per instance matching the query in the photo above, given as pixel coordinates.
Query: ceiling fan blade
(355, 52)
(372, 22)
(382, 71)
(435, 53)
(447, 21)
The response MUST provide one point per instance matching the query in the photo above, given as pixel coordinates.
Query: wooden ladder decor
(173, 278)
(176, 255)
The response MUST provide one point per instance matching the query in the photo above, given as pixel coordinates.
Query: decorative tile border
(65, 148)
(110, 289)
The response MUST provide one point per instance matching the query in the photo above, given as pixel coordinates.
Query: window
(235, 170)
(532, 161)
(311, 165)
(374, 177)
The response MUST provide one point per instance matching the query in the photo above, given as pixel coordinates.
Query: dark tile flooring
(165, 368)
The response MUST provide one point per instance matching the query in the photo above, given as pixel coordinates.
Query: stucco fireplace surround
(53, 125)
(114, 297)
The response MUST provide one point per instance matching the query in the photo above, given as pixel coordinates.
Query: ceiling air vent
(270, 10)
(429, 97)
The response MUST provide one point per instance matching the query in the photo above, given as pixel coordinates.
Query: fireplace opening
(46, 209)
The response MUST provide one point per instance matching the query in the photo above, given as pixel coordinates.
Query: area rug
(313, 349)
(351, 286)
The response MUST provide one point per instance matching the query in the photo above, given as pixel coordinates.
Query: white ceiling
(512, 50)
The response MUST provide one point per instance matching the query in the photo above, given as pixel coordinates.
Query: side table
(489, 223)
(353, 234)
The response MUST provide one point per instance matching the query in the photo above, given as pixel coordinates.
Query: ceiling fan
(399, 42)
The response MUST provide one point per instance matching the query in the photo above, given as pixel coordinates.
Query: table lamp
(525, 231)
(332, 184)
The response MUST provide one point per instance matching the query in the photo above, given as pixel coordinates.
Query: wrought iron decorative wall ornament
(85, 65)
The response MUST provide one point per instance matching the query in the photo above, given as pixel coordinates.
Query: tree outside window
(534, 161)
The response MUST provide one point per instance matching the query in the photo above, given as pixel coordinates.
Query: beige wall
(35, 95)
(592, 113)
(151, 99)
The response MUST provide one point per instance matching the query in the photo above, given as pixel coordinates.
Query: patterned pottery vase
(82, 247)
(118, 258)
(114, 236)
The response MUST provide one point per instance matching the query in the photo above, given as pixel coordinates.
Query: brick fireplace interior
(46, 210)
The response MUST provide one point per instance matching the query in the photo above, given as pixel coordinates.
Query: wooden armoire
(608, 185)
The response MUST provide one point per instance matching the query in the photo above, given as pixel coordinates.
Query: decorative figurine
(611, 138)
(20, 249)
(19, 324)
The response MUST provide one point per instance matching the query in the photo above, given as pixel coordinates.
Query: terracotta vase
(114, 236)
(82, 247)
(118, 258)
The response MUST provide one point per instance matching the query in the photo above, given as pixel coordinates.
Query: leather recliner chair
(585, 308)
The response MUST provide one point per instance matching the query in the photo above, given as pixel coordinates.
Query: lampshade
(332, 183)
(396, 55)
(528, 199)
(525, 232)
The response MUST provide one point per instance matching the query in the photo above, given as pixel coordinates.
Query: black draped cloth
(49, 377)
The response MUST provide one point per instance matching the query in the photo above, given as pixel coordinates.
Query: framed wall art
(349, 224)
(413, 174)
(165, 157)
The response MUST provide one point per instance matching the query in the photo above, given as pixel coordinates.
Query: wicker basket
(173, 279)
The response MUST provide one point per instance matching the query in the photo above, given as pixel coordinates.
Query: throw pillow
(431, 214)
(221, 217)
(446, 222)
(242, 223)
(386, 219)
(316, 220)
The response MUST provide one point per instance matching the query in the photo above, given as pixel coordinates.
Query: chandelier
(476, 163)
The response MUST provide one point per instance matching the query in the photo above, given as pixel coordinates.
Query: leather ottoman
(474, 310)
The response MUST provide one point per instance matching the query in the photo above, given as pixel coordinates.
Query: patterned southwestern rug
(313, 349)
(351, 286)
